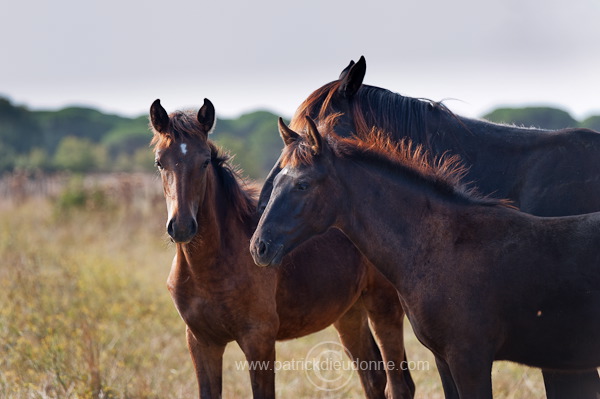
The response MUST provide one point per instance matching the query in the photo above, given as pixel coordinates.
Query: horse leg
(450, 390)
(387, 317)
(582, 385)
(259, 348)
(208, 363)
(472, 377)
(355, 335)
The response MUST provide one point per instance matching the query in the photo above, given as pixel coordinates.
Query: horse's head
(304, 199)
(334, 98)
(183, 157)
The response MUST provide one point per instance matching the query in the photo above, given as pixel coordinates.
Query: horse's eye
(206, 163)
(301, 186)
(157, 164)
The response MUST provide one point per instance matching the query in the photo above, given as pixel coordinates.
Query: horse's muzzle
(182, 232)
(265, 253)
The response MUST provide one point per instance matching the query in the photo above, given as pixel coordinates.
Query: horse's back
(563, 174)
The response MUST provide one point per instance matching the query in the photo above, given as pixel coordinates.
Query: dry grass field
(84, 312)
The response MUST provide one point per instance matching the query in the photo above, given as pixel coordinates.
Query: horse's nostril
(262, 248)
(170, 228)
(193, 228)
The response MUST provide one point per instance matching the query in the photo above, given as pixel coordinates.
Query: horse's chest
(199, 309)
(206, 314)
(221, 304)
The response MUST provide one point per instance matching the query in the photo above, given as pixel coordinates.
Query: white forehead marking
(289, 172)
(183, 148)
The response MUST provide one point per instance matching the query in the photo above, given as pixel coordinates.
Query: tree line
(84, 140)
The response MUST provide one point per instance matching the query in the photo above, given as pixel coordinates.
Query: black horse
(545, 173)
(478, 280)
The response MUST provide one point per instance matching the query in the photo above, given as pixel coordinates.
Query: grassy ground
(84, 313)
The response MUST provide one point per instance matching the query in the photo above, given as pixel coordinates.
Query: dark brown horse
(545, 173)
(222, 296)
(479, 280)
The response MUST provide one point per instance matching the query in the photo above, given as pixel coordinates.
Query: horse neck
(472, 137)
(221, 234)
(425, 123)
(393, 231)
(492, 152)
(497, 156)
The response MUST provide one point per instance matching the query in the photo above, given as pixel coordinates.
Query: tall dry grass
(84, 313)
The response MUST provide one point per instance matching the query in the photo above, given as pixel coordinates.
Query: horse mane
(241, 195)
(319, 100)
(445, 173)
(374, 106)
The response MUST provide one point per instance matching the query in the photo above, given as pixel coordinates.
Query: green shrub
(78, 197)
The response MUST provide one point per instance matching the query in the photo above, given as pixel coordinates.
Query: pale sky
(120, 55)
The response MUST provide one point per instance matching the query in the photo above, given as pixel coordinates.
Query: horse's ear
(345, 71)
(207, 116)
(314, 137)
(159, 117)
(352, 80)
(287, 135)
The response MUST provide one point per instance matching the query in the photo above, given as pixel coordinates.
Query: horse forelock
(182, 124)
